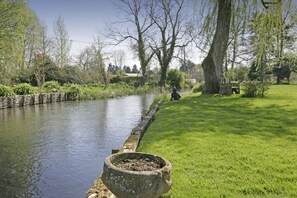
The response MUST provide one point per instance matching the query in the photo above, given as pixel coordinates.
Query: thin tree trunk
(213, 63)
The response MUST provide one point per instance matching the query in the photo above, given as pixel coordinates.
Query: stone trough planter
(137, 175)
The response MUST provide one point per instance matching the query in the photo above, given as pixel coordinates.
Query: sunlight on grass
(229, 146)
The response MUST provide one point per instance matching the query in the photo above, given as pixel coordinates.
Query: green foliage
(239, 74)
(131, 80)
(228, 146)
(14, 18)
(51, 86)
(188, 67)
(23, 89)
(175, 78)
(6, 91)
(74, 92)
(25, 76)
(198, 88)
(162, 97)
(282, 72)
(91, 92)
(255, 89)
(115, 79)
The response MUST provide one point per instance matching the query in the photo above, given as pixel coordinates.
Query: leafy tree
(289, 65)
(127, 69)
(15, 16)
(239, 74)
(268, 29)
(187, 67)
(113, 69)
(134, 69)
(281, 73)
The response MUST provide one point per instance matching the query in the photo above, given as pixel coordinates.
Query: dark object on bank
(175, 95)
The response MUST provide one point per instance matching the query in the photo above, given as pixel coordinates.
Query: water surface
(57, 150)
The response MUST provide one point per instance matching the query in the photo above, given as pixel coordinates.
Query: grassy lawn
(229, 146)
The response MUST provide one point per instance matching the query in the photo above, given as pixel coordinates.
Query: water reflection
(57, 150)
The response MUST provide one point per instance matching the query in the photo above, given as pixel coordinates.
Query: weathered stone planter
(137, 184)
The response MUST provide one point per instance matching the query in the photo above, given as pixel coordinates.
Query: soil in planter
(138, 164)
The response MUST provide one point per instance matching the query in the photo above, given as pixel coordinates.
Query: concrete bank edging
(32, 99)
(98, 189)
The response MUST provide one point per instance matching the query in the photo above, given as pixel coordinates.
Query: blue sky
(83, 18)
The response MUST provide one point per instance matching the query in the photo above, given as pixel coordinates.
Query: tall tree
(84, 58)
(118, 57)
(62, 43)
(212, 64)
(44, 48)
(269, 30)
(169, 33)
(15, 16)
(137, 33)
(98, 59)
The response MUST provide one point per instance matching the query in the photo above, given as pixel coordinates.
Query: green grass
(229, 146)
(111, 91)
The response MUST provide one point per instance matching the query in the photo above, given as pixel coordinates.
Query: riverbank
(34, 96)
(130, 145)
(228, 146)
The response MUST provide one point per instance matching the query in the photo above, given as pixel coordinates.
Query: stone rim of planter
(142, 184)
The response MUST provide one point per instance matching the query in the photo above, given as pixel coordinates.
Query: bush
(74, 92)
(23, 89)
(255, 89)
(115, 79)
(51, 86)
(176, 78)
(198, 88)
(5, 91)
(237, 74)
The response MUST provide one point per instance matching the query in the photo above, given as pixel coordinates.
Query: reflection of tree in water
(146, 101)
(20, 171)
(30, 162)
(19, 174)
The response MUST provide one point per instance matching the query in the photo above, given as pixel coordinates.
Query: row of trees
(227, 33)
(24, 42)
(29, 54)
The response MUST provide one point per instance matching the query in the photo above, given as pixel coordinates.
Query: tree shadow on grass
(230, 115)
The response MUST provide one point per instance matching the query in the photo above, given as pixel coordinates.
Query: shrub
(176, 78)
(23, 89)
(198, 88)
(51, 86)
(115, 79)
(255, 89)
(74, 92)
(5, 91)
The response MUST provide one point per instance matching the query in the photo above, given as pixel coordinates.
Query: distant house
(133, 74)
(192, 80)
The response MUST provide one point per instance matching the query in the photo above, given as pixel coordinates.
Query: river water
(57, 150)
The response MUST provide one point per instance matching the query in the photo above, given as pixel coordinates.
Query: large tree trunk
(213, 63)
(163, 79)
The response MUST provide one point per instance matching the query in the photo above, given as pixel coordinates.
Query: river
(57, 150)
